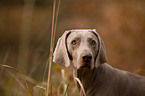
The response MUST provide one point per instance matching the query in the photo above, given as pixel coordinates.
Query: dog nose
(87, 57)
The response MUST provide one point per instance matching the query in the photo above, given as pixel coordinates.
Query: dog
(84, 49)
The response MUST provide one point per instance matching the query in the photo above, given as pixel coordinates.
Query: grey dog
(84, 49)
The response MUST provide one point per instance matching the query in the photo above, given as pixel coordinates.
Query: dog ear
(60, 55)
(101, 56)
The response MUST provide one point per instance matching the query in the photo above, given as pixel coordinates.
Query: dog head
(84, 48)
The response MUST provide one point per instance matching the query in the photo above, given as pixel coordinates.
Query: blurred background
(25, 30)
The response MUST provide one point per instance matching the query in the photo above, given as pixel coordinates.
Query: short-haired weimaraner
(84, 49)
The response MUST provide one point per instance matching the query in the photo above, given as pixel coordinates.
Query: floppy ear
(101, 56)
(60, 55)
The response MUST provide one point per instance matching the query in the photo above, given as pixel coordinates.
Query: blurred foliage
(121, 24)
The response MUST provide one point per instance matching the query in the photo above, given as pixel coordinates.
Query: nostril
(87, 57)
(84, 57)
(90, 57)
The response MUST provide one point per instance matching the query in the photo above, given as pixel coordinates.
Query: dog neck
(90, 78)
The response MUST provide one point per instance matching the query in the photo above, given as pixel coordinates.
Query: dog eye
(74, 42)
(93, 42)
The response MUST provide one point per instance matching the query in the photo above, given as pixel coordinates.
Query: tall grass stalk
(63, 80)
(51, 49)
(53, 31)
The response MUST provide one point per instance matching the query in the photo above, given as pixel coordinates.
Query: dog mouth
(85, 66)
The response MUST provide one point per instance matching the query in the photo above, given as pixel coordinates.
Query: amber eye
(74, 42)
(93, 42)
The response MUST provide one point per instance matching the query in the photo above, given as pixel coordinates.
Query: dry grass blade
(7, 66)
(29, 79)
(54, 23)
(45, 69)
(63, 80)
(6, 56)
(37, 64)
(67, 87)
(80, 85)
(57, 12)
(38, 86)
(51, 49)
(58, 90)
(4, 61)
(77, 79)
(17, 80)
(27, 86)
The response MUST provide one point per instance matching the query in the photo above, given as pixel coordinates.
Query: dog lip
(86, 61)
(85, 66)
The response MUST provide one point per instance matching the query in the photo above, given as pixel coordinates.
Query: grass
(37, 85)
(40, 88)
(30, 86)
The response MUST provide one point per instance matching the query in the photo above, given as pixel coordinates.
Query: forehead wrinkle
(82, 35)
(73, 35)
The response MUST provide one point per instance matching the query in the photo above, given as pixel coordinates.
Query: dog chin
(86, 66)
